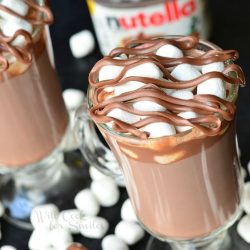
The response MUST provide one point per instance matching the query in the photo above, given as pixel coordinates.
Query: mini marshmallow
(243, 228)
(145, 70)
(148, 106)
(243, 173)
(246, 198)
(183, 94)
(95, 174)
(20, 7)
(124, 116)
(87, 203)
(216, 66)
(73, 98)
(168, 91)
(186, 115)
(127, 87)
(10, 27)
(70, 220)
(170, 51)
(128, 212)
(129, 232)
(60, 238)
(106, 192)
(44, 216)
(214, 86)
(8, 247)
(39, 239)
(109, 72)
(159, 129)
(112, 242)
(1, 209)
(82, 43)
(94, 227)
(185, 72)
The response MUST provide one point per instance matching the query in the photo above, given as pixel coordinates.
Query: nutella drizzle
(43, 16)
(213, 112)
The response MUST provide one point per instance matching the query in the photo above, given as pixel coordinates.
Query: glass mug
(187, 194)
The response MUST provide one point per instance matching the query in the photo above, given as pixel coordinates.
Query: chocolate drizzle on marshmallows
(179, 83)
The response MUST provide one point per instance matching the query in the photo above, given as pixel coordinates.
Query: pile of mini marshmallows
(10, 24)
(182, 72)
(54, 229)
(243, 227)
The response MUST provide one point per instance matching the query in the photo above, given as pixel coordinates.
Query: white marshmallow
(1, 209)
(60, 238)
(111, 242)
(248, 167)
(10, 27)
(243, 173)
(109, 72)
(106, 192)
(183, 94)
(8, 247)
(148, 106)
(246, 198)
(95, 174)
(127, 87)
(145, 70)
(39, 239)
(82, 43)
(216, 66)
(168, 91)
(214, 86)
(73, 98)
(128, 212)
(94, 227)
(186, 115)
(159, 129)
(124, 116)
(70, 220)
(185, 72)
(44, 216)
(87, 203)
(243, 228)
(129, 232)
(169, 50)
(20, 7)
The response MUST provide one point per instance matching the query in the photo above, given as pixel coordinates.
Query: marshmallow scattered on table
(73, 98)
(106, 192)
(214, 86)
(246, 198)
(127, 87)
(216, 66)
(2, 209)
(128, 212)
(112, 242)
(109, 72)
(39, 239)
(95, 174)
(87, 203)
(129, 232)
(94, 227)
(159, 129)
(183, 94)
(170, 51)
(243, 228)
(8, 247)
(123, 116)
(186, 115)
(44, 216)
(60, 238)
(70, 220)
(148, 106)
(82, 43)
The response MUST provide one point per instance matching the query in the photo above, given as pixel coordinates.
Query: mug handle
(96, 154)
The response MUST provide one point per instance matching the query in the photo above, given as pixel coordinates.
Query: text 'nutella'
(116, 22)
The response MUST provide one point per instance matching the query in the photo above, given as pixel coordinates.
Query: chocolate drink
(33, 117)
(185, 185)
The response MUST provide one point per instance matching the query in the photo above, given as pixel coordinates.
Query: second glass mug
(187, 196)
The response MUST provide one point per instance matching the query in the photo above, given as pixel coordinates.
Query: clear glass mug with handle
(188, 196)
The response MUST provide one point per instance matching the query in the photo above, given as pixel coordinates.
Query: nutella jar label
(116, 25)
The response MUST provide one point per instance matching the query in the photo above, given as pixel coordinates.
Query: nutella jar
(118, 21)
